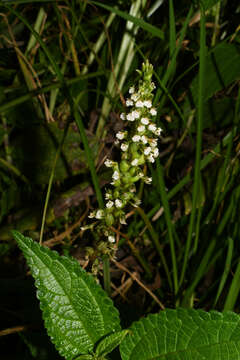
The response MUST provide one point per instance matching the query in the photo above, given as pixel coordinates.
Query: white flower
(131, 90)
(137, 203)
(99, 214)
(91, 215)
(134, 97)
(108, 196)
(141, 128)
(139, 104)
(120, 135)
(151, 159)
(153, 112)
(147, 103)
(155, 152)
(122, 220)
(136, 138)
(129, 102)
(135, 114)
(144, 139)
(147, 150)
(108, 163)
(123, 116)
(158, 131)
(109, 204)
(132, 189)
(145, 121)
(130, 117)
(115, 175)
(118, 203)
(153, 143)
(141, 174)
(111, 239)
(148, 180)
(152, 127)
(124, 147)
(134, 162)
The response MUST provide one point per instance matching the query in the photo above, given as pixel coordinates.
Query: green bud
(116, 193)
(109, 219)
(124, 165)
(132, 171)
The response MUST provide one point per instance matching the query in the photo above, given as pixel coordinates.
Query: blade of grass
(125, 51)
(156, 244)
(234, 290)
(197, 170)
(21, 99)
(226, 270)
(172, 32)
(202, 269)
(169, 223)
(153, 30)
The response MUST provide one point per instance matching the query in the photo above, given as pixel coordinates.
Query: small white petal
(120, 135)
(147, 150)
(124, 147)
(118, 203)
(91, 215)
(115, 175)
(141, 128)
(148, 180)
(129, 102)
(109, 204)
(108, 163)
(111, 239)
(136, 138)
(151, 159)
(134, 162)
(130, 117)
(99, 214)
(156, 152)
(144, 139)
(123, 116)
(147, 104)
(158, 131)
(153, 112)
(135, 114)
(145, 121)
(152, 127)
(134, 97)
(139, 104)
(131, 90)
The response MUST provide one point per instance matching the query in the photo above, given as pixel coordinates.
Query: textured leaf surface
(76, 311)
(110, 342)
(184, 334)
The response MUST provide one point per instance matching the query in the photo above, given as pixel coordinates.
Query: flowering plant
(138, 144)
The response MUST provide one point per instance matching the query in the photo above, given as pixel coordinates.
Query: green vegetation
(65, 72)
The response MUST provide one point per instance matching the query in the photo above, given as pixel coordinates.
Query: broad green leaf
(84, 357)
(110, 342)
(76, 311)
(222, 68)
(184, 334)
(139, 22)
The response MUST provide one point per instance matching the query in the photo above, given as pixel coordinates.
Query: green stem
(197, 170)
(169, 223)
(156, 244)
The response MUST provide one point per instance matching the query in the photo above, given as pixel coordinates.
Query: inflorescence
(138, 143)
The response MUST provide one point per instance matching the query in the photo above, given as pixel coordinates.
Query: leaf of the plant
(221, 70)
(139, 22)
(110, 342)
(76, 311)
(184, 334)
